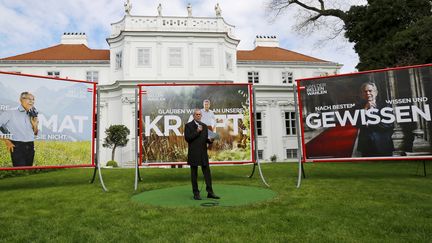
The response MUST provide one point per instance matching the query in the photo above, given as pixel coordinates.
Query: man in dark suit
(196, 134)
(374, 140)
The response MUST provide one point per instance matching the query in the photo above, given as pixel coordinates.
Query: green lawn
(52, 153)
(338, 202)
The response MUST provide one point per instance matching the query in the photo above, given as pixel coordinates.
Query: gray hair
(370, 84)
(196, 110)
(24, 94)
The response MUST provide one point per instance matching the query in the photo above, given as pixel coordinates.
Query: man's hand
(370, 104)
(35, 123)
(9, 145)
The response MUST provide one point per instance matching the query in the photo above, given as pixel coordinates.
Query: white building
(160, 49)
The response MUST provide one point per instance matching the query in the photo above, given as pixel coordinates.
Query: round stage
(231, 195)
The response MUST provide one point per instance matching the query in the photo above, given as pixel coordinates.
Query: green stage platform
(181, 196)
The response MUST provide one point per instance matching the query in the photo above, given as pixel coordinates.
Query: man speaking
(197, 137)
(21, 125)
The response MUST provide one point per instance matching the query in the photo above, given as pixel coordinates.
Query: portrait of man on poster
(374, 140)
(19, 127)
(208, 116)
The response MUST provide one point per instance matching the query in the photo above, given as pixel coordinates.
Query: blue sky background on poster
(65, 108)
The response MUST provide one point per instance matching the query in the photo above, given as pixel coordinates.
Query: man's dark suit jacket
(375, 140)
(197, 150)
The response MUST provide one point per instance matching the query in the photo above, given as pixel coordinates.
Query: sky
(29, 25)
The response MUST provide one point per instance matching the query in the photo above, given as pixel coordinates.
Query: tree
(385, 33)
(116, 137)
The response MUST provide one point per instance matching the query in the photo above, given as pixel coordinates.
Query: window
(206, 57)
(119, 60)
(320, 74)
(253, 77)
(53, 74)
(175, 57)
(260, 154)
(291, 153)
(228, 60)
(287, 77)
(92, 76)
(290, 123)
(143, 57)
(259, 123)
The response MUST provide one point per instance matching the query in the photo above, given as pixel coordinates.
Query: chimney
(74, 39)
(269, 41)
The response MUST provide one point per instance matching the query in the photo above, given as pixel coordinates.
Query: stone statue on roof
(159, 9)
(189, 10)
(128, 7)
(218, 10)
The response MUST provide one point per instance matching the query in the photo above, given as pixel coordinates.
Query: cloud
(40, 24)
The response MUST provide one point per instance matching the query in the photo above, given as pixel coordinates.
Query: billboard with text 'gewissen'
(383, 114)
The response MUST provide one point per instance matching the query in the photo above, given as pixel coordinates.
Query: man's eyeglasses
(29, 99)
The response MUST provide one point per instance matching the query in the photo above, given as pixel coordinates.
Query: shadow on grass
(369, 170)
(44, 180)
(183, 174)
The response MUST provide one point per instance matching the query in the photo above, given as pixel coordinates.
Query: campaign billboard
(165, 109)
(374, 115)
(45, 122)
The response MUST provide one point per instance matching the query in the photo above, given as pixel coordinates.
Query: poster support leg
(136, 176)
(253, 170)
(424, 168)
(137, 172)
(303, 172)
(299, 151)
(94, 175)
(97, 141)
(139, 175)
(261, 174)
(257, 161)
(100, 177)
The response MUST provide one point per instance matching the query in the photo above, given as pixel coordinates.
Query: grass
(338, 202)
(49, 153)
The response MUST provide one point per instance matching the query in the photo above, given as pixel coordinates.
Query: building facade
(161, 49)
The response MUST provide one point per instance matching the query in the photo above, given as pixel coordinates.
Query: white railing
(171, 24)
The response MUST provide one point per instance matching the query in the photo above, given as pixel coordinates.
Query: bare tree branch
(322, 4)
(279, 5)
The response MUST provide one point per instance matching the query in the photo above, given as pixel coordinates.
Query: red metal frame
(299, 87)
(47, 77)
(45, 167)
(252, 122)
(364, 72)
(194, 84)
(212, 163)
(93, 125)
(140, 125)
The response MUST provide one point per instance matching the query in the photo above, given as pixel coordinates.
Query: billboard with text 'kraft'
(225, 110)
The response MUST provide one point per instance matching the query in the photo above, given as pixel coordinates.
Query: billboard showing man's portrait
(384, 114)
(45, 122)
(225, 110)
